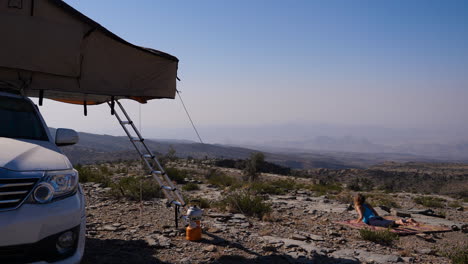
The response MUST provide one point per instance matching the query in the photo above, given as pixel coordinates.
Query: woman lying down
(368, 215)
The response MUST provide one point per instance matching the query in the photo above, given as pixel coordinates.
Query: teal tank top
(367, 214)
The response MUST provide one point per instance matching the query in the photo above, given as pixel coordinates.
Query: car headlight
(56, 184)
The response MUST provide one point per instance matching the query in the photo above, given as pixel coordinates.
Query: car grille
(14, 191)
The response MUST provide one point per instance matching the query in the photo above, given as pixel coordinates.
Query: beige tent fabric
(47, 45)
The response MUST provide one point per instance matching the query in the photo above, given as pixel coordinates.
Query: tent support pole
(41, 97)
(85, 105)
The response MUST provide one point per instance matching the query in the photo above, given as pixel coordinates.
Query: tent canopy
(49, 48)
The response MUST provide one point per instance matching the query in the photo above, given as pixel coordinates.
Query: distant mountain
(100, 148)
(456, 152)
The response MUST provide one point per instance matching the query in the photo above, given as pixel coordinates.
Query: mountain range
(94, 148)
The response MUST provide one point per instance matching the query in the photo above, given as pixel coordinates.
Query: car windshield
(18, 119)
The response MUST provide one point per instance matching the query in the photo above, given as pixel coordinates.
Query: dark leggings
(379, 221)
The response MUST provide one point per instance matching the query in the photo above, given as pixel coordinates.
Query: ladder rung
(135, 139)
(169, 188)
(148, 156)
(177, 203)
(126, 122)
(157, 172)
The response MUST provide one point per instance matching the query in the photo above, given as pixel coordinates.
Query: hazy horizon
(389, 72)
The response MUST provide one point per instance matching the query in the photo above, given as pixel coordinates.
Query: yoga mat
(401, 230)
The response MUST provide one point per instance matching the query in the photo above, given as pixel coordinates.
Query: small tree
(253, 166)
(171, 153)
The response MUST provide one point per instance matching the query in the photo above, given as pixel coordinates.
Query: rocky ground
(300, 229)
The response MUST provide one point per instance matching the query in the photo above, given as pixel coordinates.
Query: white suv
(42, 206)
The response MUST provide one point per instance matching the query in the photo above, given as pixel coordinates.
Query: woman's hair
(359, 199)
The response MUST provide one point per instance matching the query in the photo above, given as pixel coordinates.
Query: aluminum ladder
(159, 174)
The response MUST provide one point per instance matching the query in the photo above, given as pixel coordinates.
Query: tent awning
(49, 46)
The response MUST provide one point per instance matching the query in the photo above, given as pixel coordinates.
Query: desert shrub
(177, 175)
(204, 203)
(253, 165)
(133, 187)
(382, 200)
(171, 154)
(273, 187)
(361, 184)
(265, 188)
(198, 201)
(430, 201)
(287, 184)
(122, 170)
(104, 170)
(191, 187)
(457, 254)
(230, 163)
(343, 197)
(246, 203)
(455, 204)
(354, 185)
(322, 189)
(87, 174)
(220, 179)
(381, 237)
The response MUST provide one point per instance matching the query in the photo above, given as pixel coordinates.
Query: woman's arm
(360, 214)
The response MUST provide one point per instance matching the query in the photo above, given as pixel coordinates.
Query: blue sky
(248, 63)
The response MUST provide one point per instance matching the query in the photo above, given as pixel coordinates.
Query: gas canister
(194, 231)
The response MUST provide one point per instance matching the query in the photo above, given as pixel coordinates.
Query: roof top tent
(50, 50)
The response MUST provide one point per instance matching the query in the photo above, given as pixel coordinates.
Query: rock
(158, 241)
(164, 242)
(210, 248)
(377, 258)
(343, 253)
(426, 237)
(291, 245)
(186, 260)
(408, 259)
(459, 208)
(298, 237)
(238, 216)
(269, 248)
(109, 228)
(287, 197)
(385, 208)
(245, 225)
(399, 213)
(214, 230)
(333, 233)
(151, 242)
(425, 251)
(312, 236)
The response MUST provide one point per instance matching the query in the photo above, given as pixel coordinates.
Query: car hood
(31, 155)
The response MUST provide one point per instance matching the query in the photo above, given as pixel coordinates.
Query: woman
(368, 215)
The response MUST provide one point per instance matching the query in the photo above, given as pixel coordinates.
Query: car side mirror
(65, 137)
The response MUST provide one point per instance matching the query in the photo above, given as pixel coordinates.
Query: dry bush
(191, 187)
(220, 179)
(381, 237)
(245, 203)
(135, 188)
(430, 201)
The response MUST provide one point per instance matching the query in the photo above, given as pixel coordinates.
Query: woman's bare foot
(407, 222)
